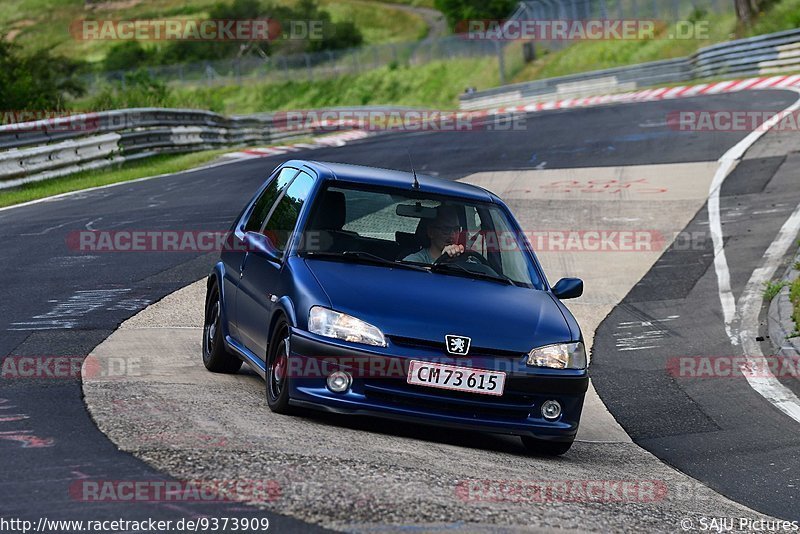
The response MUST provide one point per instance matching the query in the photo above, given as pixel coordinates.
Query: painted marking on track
(641, 335)
(739, 326)
(765, 384)
(25, 437)
(727, 163)
(66, 313)
(612, 186)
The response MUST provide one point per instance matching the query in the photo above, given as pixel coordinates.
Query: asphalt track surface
(56, 301)
(717, 429)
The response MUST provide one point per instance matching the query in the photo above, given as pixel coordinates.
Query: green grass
(415, 3)
(593, 55)
(771, 289)
(784, 15)
(163, 164)
(45, 23)
(794, 296)
(379, 22)
(436, 85)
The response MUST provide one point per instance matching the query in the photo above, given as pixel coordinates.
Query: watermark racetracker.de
(544, 240)
(589, 29)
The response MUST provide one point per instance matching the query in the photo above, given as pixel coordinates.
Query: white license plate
(437, 375)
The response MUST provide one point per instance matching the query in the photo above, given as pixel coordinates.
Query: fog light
(339, 381)
(551, 410)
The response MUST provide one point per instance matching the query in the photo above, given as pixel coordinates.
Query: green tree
(127, 55)
(457, 11)
(38, 81)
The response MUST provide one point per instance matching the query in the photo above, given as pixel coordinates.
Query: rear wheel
(216, 357)
(546, 448)
(277, 370)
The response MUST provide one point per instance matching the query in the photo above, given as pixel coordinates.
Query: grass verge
(594, 55)
(163, 164)
(794, 296)
(436, 84)
(771, 289)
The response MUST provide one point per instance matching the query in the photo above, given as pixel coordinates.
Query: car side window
(284, 215)
(266, 201)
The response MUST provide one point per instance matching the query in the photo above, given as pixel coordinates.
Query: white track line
(750, 302)
(727, 163)
(766, 384)
(726, 298)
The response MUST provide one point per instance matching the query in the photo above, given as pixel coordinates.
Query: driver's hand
(453, 250)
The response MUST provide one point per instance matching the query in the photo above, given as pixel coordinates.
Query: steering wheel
(464, 257)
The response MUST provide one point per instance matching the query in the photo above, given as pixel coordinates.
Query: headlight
(561, 356)
(329, 323)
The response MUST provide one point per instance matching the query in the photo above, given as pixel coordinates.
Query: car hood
(428, 306)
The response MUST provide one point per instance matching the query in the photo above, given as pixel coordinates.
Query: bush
(38, 81)
(139, 89)
(460, 10)
(125, 55)
(336, 35)
(134, 90)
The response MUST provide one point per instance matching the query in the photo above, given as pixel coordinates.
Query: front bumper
(382, 391)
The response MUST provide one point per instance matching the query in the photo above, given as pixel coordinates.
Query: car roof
(392, 178)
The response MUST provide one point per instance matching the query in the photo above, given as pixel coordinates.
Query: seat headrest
(421, 234)
(333, 211)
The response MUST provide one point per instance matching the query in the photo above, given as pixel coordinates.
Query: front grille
(439, 346)
(510, 405)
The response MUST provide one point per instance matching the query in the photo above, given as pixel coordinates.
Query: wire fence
(335, 63)
(310, 66)
(669, 11)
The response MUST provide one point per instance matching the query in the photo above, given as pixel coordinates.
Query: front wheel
(216, 357)
(546, 448)
(277, 370)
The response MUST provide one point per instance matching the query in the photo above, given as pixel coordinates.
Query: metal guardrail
(580, 85)
(44, 149)
(763, 54)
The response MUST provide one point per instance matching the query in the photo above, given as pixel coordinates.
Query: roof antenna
(416, 181)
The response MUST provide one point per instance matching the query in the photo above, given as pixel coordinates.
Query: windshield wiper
(458, 269)
(364, 256)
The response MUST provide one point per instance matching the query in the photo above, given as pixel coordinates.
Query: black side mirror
(261, 245)
(568, 288)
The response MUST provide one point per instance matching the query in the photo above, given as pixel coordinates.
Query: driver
(442, 232)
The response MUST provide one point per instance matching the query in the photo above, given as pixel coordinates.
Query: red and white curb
(663, 93)
(333, 140)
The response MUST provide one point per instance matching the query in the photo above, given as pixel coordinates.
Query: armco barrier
(581, 85)
(763, 54)
(44, 149)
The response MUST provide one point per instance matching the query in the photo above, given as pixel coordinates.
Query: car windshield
(447, 235)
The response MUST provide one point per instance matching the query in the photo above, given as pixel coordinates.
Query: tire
(546, 448)
(277, 364)
(216, 357)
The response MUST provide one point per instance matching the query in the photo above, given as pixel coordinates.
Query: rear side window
(267, 200)
(374, 215)
(286, 212)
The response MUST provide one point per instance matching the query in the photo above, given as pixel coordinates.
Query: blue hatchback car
(367, 291)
